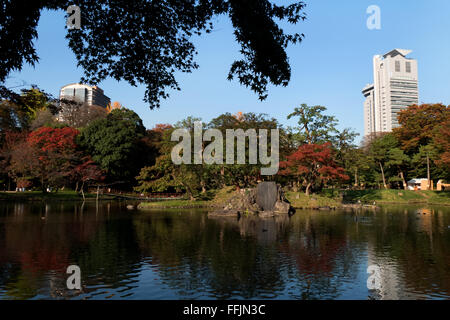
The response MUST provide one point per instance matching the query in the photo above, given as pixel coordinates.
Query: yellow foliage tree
(114, 106)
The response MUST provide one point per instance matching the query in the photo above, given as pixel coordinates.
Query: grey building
(395, 88)
(85, 94)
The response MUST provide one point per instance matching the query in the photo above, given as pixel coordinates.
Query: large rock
(267, 200)
(282, 207)
(266, 195)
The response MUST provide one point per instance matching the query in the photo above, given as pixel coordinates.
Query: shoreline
(329, 200)
(57, 196)
(354, 199)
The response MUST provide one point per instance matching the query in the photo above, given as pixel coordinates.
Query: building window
(397, 66)
(408, 67)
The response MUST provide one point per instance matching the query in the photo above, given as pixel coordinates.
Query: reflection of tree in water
(39, 246)
(248, 257)
(193, 252)
(312, 255)
(323, 248)
(34, 246)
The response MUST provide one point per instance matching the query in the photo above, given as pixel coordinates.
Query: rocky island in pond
(266, 200)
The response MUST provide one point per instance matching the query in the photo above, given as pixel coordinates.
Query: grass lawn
(398, 196)
(212, 198)
(300, 200)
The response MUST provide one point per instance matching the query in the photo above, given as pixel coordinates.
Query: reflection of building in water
(400, 271)
(391, 287)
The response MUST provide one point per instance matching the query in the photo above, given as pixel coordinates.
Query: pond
(184, 254)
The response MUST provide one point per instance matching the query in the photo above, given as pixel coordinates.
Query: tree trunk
(356, 178)
(405, 186)
(382, 175)
(189, 192)
(308, 187)
(428, 172)
(44, 189)
(203, 186)
(190, 195)
(222, 176)
(82, 190)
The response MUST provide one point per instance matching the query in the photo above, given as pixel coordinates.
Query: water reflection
(172, 254)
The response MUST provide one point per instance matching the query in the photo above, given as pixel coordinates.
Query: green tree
(343, 142)
(245, 175)
(399, 161)
(362, 168)
(21, 110)
(313, 126)
(10, 118)
(34, 100)
(153, 141)
(115, 143)
(164, 175)
(378, 150)
(423, 163)
(196, 179)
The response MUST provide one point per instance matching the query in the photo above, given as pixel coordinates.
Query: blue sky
(330, 67)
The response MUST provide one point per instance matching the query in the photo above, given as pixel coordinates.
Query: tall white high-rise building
(395, 88)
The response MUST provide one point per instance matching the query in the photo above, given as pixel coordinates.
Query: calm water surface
(183, 254)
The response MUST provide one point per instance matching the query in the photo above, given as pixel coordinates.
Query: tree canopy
(419, 124)
(114, 143)
(313, 164)
(20, 110)
(314, 126)
(148, 42)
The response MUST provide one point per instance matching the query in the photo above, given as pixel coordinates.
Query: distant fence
(135, 195)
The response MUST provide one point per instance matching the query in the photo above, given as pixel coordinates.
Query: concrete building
(369, 109)
(395, 87)
(85, 94)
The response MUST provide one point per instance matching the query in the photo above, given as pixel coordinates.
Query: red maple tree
(59, 140)
(313, 165)
(442, 142)
(56, 152)
(87, 171)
